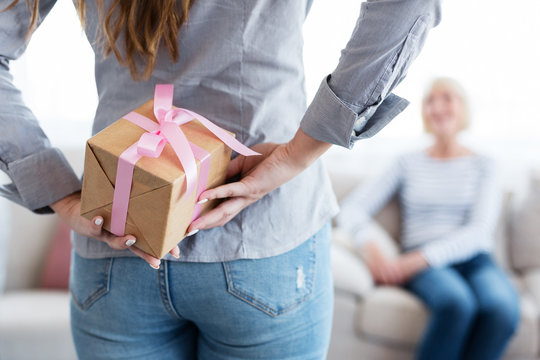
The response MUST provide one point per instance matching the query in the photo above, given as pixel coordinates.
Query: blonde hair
(456, 88)
(145, 24)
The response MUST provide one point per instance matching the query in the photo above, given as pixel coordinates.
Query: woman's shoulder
(486, 164)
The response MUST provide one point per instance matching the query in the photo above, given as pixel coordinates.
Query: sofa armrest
(349, 271)
(531, 279)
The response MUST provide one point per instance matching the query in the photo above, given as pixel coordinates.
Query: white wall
(491, 46)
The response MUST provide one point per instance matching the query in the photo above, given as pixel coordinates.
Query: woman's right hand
(384, 270)
(69, 208)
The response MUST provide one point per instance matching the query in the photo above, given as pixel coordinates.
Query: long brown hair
(145, 24)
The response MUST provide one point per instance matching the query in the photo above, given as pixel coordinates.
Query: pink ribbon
(151, 144)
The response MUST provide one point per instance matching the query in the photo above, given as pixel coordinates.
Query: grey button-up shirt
(241, 66)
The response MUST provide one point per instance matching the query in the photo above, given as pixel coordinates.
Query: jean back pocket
(89, 279)
(276, 284)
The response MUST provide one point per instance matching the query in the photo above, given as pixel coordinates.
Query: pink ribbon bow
(151, 144)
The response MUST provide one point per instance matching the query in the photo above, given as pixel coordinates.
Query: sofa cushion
(396, 317)
(373, 233)
(391, 314)
(29, 243)
(531, 281)
(55, 273)
(35, 325)
(525, 342)
(349, 272)
(525, 245)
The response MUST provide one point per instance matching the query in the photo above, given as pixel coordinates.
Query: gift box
(144, 173)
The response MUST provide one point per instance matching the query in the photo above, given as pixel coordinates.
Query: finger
(377, 277)
(225, 191)
(235, 166)
(117, 242)
(219, 216)
(397, 276)
(392, 274)
(152, 261)
(97, 225)
(388, 275)
(384, 277)
(175, 251)
(398, 273)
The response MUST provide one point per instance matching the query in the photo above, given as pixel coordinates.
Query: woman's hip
(278, 306)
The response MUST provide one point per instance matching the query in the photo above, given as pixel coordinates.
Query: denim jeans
(474, 310)
(278, 307)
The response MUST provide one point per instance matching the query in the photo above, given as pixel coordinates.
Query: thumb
(235, 166)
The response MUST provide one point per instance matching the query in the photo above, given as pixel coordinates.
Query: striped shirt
(450, 207)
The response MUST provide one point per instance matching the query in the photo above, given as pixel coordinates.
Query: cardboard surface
(158, 212)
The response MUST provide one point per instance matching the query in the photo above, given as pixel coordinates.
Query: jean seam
(98, 293)
(164, 290)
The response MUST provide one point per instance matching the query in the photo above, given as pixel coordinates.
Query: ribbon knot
(151, 144)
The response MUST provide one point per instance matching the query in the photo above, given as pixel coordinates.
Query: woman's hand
(411, 264)
(384, 269)
(69, 208)
(278, 164)
(393, 271)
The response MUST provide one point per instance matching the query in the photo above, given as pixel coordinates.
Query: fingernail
(98, 221)
(193, 232)
(130, 242)
(176, 255)
(202, 201)
(154, 267)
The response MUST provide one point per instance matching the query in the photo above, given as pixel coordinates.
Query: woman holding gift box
(255, 281)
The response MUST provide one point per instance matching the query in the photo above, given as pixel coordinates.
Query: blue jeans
(474, 310)
(273, 308)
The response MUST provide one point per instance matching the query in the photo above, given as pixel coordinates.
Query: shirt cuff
(433, 257)
(41, 179)
(331, 120)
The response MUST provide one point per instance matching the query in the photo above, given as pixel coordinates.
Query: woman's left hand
(278, 164)
(406, 266)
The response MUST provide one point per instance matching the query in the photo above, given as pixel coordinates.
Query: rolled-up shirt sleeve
(40, 174)
(356, 101)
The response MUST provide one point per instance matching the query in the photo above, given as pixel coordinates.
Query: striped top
(450, 207)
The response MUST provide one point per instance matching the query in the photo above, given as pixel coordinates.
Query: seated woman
(450, 205)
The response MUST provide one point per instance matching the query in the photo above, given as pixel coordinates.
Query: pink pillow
(55, 274)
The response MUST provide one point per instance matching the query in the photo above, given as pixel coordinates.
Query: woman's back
(240, 65)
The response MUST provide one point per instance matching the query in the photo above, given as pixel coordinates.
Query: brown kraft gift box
(158, 212)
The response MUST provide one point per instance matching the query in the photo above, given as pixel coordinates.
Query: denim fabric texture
(474, 310)
(278, 307)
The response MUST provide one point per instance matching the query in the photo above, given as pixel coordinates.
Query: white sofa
(385, 323)
(34, 323)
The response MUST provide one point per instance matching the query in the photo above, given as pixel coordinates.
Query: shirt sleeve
(355, 100)
(477, 234)
(358, 208)
(39, 173)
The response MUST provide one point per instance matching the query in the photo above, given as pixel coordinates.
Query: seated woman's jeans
(474, 310)
(273, 308)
